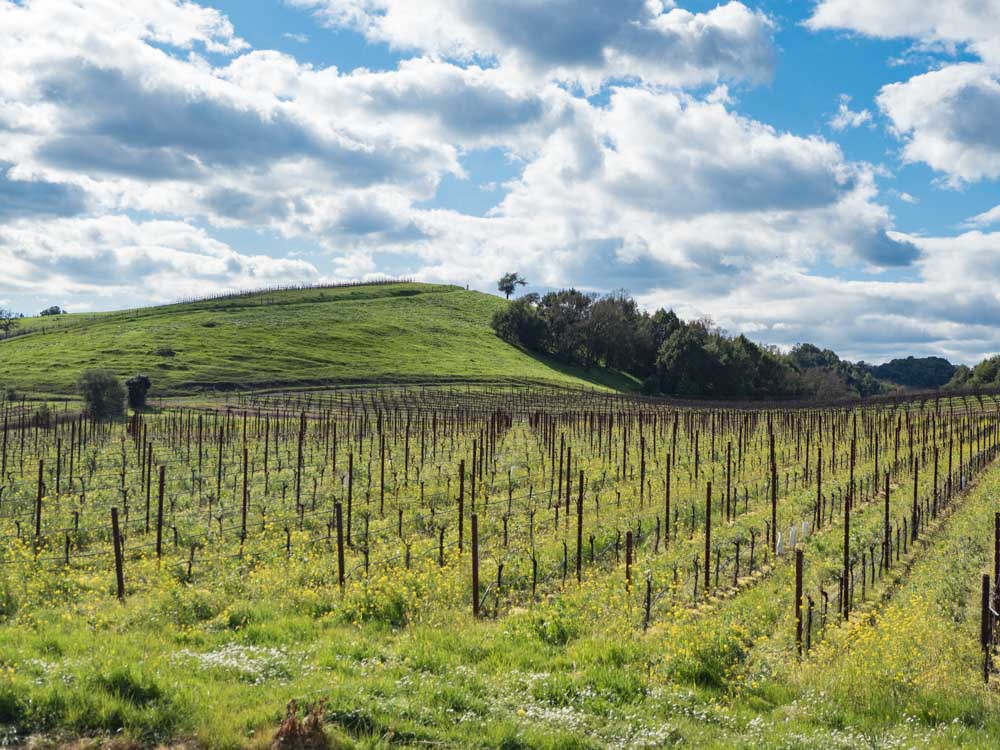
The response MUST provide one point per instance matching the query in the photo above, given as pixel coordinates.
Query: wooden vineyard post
(798, 601)
(708, 535)
(243, 512)
(886, 528)
(666, 503)
(38, 504)
(350, 493)
(461, 503)
(475, 565)
(819, 487)
(996, 561)
(159, 515)
(774, 499)
(845, 598)
(986, 629)
(649, 602)
(339, 514)
(116, 540)
(628, 560)
(579, 532)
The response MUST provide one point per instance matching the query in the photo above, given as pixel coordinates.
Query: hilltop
(377, 333)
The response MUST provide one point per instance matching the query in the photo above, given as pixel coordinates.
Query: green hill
(399, 332)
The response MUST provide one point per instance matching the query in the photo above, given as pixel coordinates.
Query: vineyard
(504, 567)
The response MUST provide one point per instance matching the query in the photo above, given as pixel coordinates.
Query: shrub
(102, 393)
(138, 387)
(43, 416)
(165, 351)
(301, 734)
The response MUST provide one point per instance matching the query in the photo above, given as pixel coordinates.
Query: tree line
(693, 358)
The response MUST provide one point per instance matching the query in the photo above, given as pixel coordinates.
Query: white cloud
(119, 259)
(948, 119)
(848, 118)
(674, 195)
(586, 41)
(950, 308)
(973, 22)
(985, 219)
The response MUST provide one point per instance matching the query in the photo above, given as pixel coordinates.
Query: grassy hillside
(382, 333)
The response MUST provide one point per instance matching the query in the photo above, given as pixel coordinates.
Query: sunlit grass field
(396, 333)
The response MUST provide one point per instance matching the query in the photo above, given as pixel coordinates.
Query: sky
(821, 171)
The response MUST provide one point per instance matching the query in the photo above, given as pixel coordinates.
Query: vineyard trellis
(502, 496)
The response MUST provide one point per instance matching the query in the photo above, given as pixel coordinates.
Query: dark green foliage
(984, 375)
(138, 387)
(674, 357)
(520, 323)
(103, 393)
(827, 376)
(915, 372)
(699, 360)
(509, 282)
(54, 310)
(566, 314)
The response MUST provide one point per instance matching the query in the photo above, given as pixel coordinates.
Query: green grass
(214, 658)
(373, 334)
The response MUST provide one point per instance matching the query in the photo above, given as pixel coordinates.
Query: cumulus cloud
(847, 118)
(22, 198)
(950, 308)
(118, 258)
(947, 118)
(973, 22)
(985, 219)
(160, 110)
(587, 41)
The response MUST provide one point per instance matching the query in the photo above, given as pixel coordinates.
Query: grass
(214, 659)
(373, 334)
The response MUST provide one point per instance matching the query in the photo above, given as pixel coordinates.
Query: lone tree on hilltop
(138, 386)
(509, 282)
(8, 321)
(103, 393)
(54, 310)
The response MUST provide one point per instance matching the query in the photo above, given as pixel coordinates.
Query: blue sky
(799, 171)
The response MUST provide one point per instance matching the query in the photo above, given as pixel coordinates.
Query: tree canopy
(691, 358)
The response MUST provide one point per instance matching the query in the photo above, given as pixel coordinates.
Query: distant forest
(696, 358)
